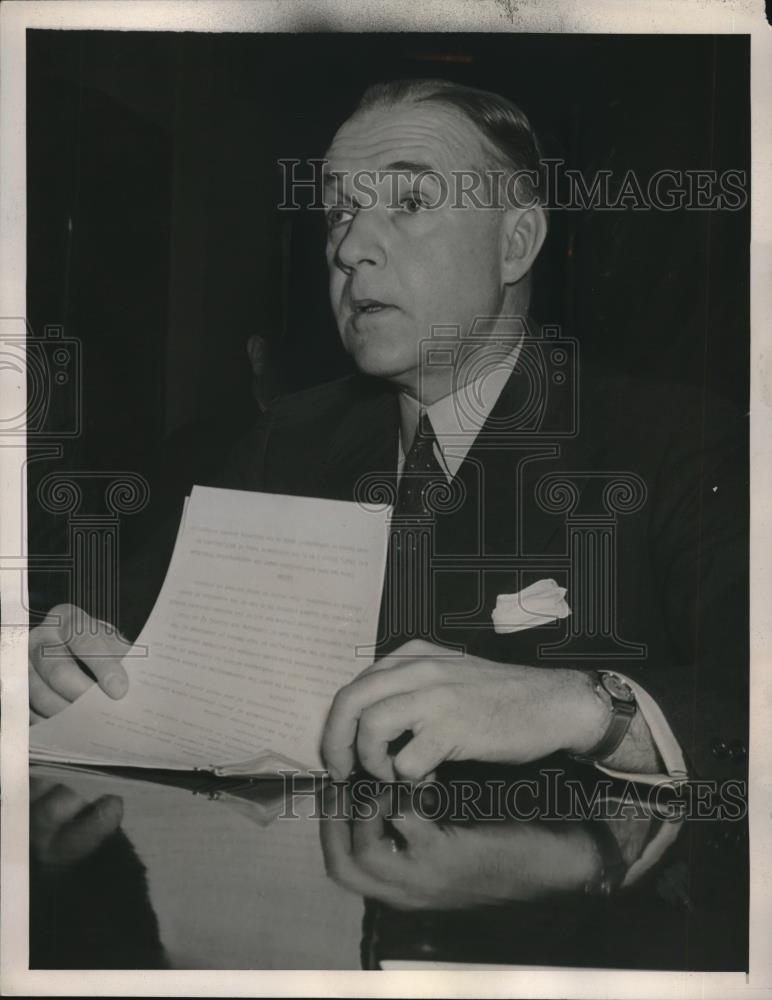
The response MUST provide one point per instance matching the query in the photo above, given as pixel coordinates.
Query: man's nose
(363, 242)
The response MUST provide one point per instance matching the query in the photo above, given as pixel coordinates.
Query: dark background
(155, 240)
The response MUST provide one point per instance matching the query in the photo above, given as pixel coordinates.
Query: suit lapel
(363, 451)
(511, 454)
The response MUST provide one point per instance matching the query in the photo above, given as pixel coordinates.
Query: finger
(38, 788)
(339, 860)
(335, 826)
(43, 701)
(102, 655)
(83, 835)
(342, 864)
(378, 727)
(55, 629)
(418, 831)
(63, 676)
(338, 740)
(335, 837)
(376, 849)
(421, 755)
(95, 643)
(50, 811)
(56, 806)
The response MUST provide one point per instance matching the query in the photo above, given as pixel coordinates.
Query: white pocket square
(538, 604)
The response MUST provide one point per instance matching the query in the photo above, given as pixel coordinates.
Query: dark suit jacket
(649, 480)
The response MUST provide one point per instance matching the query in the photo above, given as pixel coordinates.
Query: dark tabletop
(133, 869)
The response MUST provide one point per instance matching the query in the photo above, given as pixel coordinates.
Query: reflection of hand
(56, 679)
(65, 828)
(413, 863)
(458, 708)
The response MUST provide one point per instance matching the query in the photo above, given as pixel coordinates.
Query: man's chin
(379, 366)
(377, 360)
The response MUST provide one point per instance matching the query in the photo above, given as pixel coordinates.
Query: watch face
(617, 688)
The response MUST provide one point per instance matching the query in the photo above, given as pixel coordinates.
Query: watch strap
(622, 713)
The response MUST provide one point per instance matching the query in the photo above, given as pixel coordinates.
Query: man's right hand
(63, 650)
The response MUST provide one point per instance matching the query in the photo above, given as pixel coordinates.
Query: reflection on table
(133, 869)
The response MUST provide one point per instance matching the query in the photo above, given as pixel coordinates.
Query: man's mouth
(363, 307)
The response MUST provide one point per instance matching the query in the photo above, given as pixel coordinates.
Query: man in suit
(496, 477)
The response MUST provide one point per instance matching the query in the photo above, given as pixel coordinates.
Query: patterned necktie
(421, 474)
(407, 605)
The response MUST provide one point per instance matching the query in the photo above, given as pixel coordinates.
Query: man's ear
(256, 351)
(523, 233)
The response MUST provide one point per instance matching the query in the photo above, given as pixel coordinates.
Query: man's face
(398, 268)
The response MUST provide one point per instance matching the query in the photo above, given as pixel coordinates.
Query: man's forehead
(427, 133)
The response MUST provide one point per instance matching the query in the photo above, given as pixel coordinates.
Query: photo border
(516, 16)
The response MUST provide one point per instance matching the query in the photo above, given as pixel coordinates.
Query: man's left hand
(457, 708)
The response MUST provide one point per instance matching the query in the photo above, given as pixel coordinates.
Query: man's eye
(339, 216)
(412, 203)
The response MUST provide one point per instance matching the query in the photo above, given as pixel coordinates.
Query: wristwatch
(608, 685)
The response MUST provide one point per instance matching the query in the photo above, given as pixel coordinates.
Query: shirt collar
(458, 417)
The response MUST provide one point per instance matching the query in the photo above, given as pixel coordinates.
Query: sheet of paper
(269, 606)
